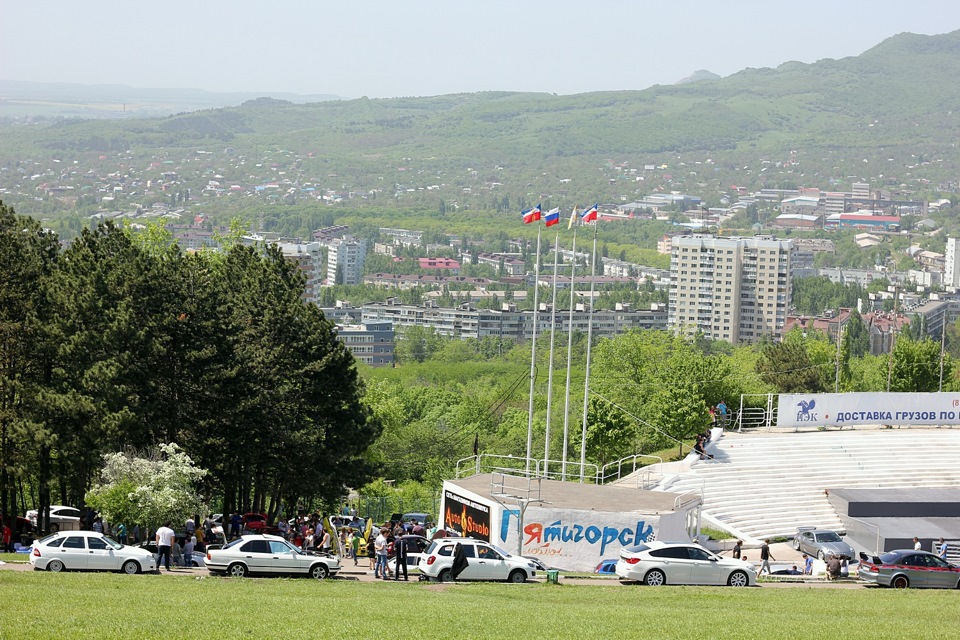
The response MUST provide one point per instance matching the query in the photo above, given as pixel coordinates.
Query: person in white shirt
(164, 544)
(916, 544)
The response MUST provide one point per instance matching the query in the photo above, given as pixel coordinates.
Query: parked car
(607, 567)
(660, 563)
(88, 550)
(269, 555)
(822, 543)
(484, 562)
(61, 518)
(421, 518)
(909, 568)
(416, 546)
(257, 523)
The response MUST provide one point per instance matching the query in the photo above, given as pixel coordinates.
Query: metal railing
(644, 478)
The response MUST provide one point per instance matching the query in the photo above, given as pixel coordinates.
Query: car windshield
(829, 536)
(505, 554)
(112, 543)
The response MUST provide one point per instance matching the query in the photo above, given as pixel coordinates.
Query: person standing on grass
(122, 533)
(7, 538)
(380, 546)
(765, 558)
(401, 547)
(165, 537)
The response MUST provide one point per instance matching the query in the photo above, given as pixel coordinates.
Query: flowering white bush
(147, 489)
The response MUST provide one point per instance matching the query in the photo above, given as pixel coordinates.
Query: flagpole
(566, 402)
(553, 342)
(586, 381)
(533, 348)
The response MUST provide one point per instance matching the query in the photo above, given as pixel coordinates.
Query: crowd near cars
(258, 552)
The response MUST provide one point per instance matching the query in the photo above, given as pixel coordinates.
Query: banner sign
(467, 517)
(573, 540)
(853, 409)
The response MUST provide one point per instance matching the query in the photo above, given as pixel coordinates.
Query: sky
(383, 49)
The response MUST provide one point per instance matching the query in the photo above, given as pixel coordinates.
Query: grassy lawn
(43, 605)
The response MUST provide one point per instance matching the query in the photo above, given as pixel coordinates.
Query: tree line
(121, 342)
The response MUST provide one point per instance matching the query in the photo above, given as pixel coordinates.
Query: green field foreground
(72, 605)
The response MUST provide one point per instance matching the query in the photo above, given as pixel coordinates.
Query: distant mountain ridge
(873, 115)
(80, 100)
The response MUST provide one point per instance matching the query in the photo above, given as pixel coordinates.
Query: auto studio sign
(465, 516)
(853, 409)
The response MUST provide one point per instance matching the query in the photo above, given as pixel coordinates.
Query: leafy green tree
(610, 434)
(916, 365)
(788, 368)
(858, 334)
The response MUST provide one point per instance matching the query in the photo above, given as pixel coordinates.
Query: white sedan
(88, 550)
(269, 555)
(660, 563)
(61, 518)
(481, 561)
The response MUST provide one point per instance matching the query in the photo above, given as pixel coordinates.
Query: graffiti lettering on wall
(466, 517)
(558, 531)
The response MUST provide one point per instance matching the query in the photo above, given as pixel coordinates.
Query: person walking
(165, 537)
(737, 548)
(765, 558)
(355, 546)
(122, 533)
(722, 409)
(942, 549)
(400, 546)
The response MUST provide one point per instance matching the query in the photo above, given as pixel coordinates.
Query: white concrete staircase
(766, 484)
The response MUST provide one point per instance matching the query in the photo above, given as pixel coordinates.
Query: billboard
(467, 517)
(571, 539)
(853, 409)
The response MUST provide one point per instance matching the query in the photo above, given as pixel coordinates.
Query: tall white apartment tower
(348, 255)
(951, 264)
(731, 289)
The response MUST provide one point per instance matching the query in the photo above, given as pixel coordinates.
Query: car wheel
(738, 579)
(130, 567)
(56, 566)
(444, 576)
(518, 576)
(319, 572)
(823, 556)
(900, 582)
(655, 578)
(237, 571)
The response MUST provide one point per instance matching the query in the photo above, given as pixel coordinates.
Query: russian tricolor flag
(531, 215)
(589, 214)
(552, 217)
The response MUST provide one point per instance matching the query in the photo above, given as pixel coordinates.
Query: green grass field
(72, 605)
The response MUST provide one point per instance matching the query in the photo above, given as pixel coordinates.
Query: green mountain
(889, 116)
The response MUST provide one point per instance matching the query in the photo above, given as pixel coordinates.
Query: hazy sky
(429, 47)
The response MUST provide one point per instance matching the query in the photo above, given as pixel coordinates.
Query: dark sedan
(909, 568)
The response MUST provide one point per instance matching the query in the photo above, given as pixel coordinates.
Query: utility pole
(893, 336)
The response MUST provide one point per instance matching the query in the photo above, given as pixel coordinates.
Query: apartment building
(732, 289)
(369, 342)
(347, 255)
